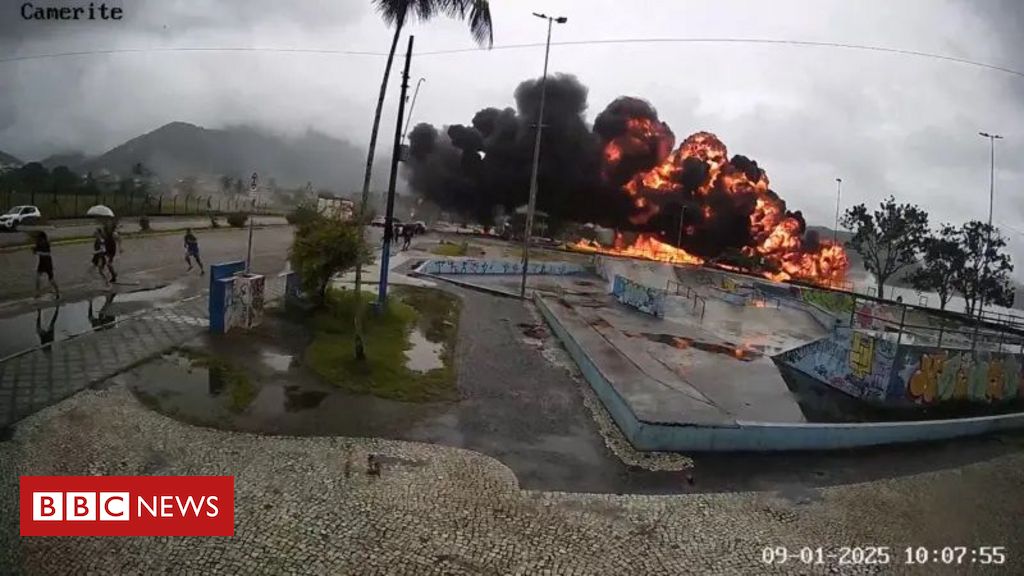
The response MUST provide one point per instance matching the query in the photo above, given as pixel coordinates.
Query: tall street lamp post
(991, 201)
(536, 152)
(412, 106)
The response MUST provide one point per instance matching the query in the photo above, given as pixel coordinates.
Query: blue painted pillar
(221, 286)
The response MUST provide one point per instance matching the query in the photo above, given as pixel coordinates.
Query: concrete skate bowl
(692, 359)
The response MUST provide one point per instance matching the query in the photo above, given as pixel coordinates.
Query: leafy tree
(985, 275)
(888, 239)
(323, 248)
(225, 184)
(239, 187)
(943, 257)
(396, 13)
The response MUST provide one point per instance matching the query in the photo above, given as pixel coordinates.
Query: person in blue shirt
(192, 251)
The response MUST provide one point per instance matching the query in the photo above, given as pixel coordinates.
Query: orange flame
(645, 246)
(776, 237)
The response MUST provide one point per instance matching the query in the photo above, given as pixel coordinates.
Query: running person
(45, 264)
(192, 251)
(111, 242)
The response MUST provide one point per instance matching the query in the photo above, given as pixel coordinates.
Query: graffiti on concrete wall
(473, 266)
(928, 376)
(247, 301)
(643, 298)
(855, 363)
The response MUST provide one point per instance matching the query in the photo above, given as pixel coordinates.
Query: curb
(764, 436)
(467, 285)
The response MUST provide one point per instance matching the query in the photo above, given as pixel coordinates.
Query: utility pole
(396, 154)
(536, 153)
(412, 106)
(835, 230)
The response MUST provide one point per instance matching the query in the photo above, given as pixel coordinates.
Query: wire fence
(75, 205)
(909, 324)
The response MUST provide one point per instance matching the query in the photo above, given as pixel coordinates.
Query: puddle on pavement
(423, 355)
(279, 362)
(59, 320)
(210, 391)
(744, 353)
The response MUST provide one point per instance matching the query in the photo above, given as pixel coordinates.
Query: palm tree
(396, 13)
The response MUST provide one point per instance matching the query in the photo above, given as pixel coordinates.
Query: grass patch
(386, 338)
(459, 249)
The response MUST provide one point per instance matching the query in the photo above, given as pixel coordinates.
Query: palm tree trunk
(373, 143)
(359, 354)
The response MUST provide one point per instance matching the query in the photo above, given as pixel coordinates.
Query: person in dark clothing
(192, 251)
(111, 243)
(45, 263)
(407, 232)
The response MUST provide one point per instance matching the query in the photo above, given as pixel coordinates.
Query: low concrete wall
(476, 266)
(879, 371)
(763, 436)
(644, 298)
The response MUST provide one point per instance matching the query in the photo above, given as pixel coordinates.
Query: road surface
(143, 262)
(64, 229)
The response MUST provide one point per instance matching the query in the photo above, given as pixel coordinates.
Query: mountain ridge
(179, 149)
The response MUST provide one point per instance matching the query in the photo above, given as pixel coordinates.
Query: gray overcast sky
(886, 124)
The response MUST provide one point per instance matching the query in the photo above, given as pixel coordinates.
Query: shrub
(213, 222)
(238, 219)
(144, 223)
(323, 248)
(304, 213)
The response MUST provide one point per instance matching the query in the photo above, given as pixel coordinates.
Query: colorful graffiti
(246, 308)
(858, 364)
(862, 355)
(643, 298)
(946, 375)
(472, 266)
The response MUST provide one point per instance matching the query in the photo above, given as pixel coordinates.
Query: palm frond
(478, 12)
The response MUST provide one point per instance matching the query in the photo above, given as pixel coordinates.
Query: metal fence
(75, 205)
(909, 324)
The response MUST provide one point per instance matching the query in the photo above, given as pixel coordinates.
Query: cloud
(886, 124)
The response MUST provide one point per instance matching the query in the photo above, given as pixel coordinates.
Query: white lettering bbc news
(114, 506)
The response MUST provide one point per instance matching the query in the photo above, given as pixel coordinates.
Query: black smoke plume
(474, 169)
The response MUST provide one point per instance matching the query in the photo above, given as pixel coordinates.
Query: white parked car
(19, 215)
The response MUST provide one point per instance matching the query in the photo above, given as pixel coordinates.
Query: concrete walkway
(41, 377)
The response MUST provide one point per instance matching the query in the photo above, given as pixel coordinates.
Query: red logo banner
(127, 505)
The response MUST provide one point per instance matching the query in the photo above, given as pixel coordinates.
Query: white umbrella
(100, 211)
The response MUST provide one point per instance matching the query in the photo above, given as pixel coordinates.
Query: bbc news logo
(127, 505)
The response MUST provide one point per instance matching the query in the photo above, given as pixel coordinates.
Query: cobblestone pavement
(32, 381)
(307, 506)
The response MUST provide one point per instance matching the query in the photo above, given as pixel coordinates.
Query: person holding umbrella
(108, 233)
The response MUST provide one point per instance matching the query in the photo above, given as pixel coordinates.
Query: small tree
(943, 257)
(323, 248)
(889, 239)
(985, 275)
